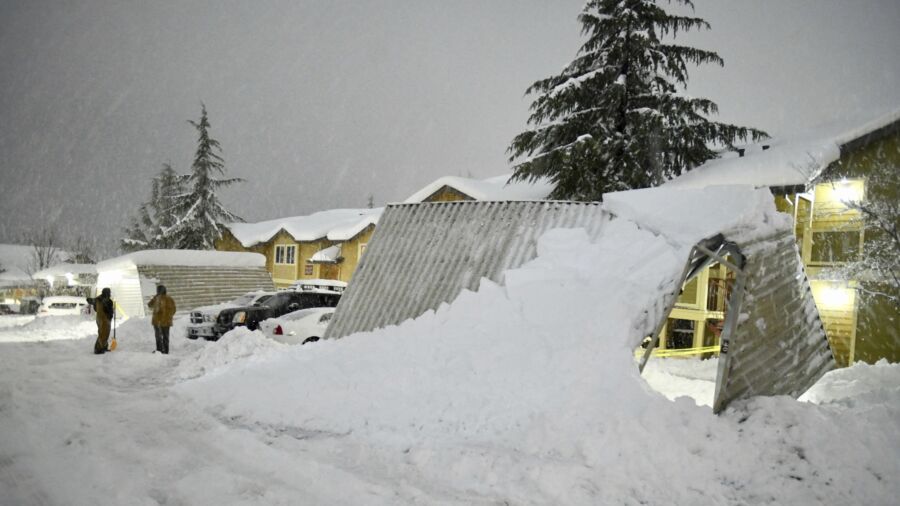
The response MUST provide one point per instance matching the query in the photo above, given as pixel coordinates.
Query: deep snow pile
(237, 345)
(528, 393)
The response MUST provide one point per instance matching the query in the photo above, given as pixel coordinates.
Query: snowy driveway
(85, 429)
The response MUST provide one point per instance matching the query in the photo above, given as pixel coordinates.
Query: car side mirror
(293, 307)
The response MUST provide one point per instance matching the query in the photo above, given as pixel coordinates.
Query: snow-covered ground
(525, 393)
(133, 427)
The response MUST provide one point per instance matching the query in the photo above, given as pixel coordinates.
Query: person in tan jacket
(163, 310)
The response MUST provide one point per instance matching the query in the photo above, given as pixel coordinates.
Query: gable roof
(334, 224)
(787, 162)
(17, 259)
(182, 257)
(492, 188)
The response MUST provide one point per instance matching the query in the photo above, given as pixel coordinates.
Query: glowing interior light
(847, 191)
(70, 278)
(836, 297)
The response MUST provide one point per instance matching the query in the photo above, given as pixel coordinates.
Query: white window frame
(285, 254)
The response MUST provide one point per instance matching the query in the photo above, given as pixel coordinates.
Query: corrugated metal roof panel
(779, 346)
(423, 255)
(193, 287)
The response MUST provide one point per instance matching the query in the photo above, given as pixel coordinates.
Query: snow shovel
(112, 343)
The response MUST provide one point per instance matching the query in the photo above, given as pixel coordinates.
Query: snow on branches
(615, 118)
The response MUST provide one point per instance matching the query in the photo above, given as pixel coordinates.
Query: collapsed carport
(773, 343)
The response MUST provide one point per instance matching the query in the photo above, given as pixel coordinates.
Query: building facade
(834, 237)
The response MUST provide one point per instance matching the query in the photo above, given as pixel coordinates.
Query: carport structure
(773, 342)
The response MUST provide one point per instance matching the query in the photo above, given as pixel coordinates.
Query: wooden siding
(447, 194)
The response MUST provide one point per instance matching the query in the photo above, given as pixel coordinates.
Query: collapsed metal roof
(424, 255)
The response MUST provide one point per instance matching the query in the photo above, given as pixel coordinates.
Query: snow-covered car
(299, 327)
(203, 319)
(9, 308)
(58, 305)
(279, 304)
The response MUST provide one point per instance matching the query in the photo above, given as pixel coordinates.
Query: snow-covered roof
(334, 224)
(17, 260)
(184, 257)
(493, 188)
(64, 269)
(327, 255)
(787, 162)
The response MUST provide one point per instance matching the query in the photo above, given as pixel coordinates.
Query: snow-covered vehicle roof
(492, 188)
(309, 285)
(189, 258)
(334, 225)
(794, 161)
(240, 301)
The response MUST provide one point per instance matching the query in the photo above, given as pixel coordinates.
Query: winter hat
(160, 290)
(105, 292)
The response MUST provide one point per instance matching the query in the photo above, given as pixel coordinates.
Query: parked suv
(279, 304)
(203, 319)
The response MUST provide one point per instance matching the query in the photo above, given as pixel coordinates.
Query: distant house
(453, 188)
(17, 278)
(322, 245)
(811, 177)
(68, 279)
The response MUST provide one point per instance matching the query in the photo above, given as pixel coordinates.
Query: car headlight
(239, 317)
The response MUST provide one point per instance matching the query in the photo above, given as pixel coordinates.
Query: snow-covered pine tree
(616, 117)
(146, 231)
(199, 215)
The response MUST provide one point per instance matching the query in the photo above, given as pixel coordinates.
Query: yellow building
(323, 245)
(816, 181)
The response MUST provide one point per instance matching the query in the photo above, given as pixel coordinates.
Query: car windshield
(261, 300)
(243, 300)
(276, 300)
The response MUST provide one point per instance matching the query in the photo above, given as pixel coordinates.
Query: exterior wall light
(832, 297)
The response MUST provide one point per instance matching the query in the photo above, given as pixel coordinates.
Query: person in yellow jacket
(103, 308)
(163, 310)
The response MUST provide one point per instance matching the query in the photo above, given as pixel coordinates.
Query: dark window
(680, 334)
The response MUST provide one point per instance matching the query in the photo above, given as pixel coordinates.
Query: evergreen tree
(199, 215)
(147, 230)
(615, 119)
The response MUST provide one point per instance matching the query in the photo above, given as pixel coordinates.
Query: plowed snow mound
(238, 345)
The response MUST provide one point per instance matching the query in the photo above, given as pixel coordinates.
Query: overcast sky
(319, 104)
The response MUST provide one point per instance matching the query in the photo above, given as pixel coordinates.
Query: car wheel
(310, 339)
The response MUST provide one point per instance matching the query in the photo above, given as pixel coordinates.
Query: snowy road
(86, 429)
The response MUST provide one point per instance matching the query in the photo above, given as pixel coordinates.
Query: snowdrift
(527, 392)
